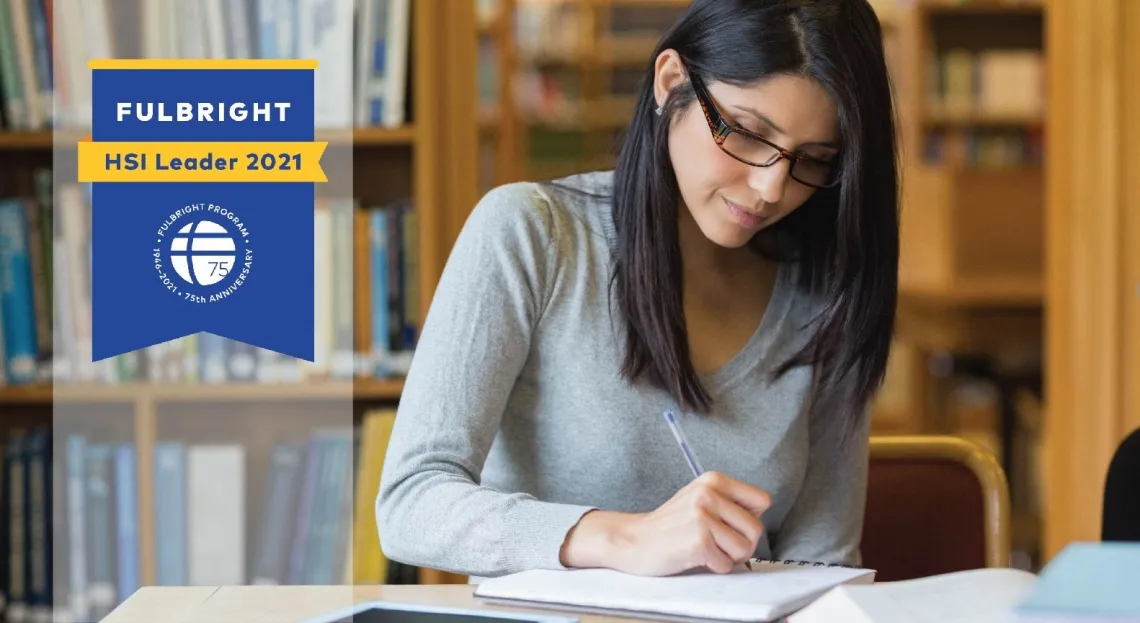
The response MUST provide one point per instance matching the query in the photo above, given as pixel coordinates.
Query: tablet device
(392, 612)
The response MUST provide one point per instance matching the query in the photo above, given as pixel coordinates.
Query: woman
(706, 275)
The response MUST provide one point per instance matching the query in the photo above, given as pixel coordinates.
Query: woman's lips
(742, 216)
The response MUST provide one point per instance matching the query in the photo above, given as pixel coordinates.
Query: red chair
(935, 504)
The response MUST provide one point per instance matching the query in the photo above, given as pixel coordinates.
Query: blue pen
(690, 456)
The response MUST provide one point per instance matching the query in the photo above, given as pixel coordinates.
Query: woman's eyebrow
(768, 122)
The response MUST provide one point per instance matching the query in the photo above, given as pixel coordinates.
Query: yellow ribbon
(201, 162)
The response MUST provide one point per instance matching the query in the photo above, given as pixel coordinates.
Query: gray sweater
(514, 420)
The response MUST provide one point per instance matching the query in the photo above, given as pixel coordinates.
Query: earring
(660, 110)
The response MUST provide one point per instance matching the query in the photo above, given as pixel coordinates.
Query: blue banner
(203, 194)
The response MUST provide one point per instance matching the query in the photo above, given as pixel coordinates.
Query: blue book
(17, 550)
(100, 530)
(16, 302)
(77, 525)
(126, 524)
(1094, 580)
(378, 233)
(170, 513)
(279, 509)
(37, 489)
(302, 528)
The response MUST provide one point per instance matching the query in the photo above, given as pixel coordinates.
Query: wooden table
(290, 604)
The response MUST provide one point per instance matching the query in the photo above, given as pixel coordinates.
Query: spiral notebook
(759, 592)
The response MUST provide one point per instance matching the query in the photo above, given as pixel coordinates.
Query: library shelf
(406, 165)
(25, 394)
(981, 7)
(995, 291)
(18, 140)
(363, 136)
(403, 135)
(358, 390)
(946, 117)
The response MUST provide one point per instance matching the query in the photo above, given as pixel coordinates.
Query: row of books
(362, 47)
(29, 495)
(366, 300)
(985, 148)
(551, 38)
(27, 264)
(222, 515)
(990, 82)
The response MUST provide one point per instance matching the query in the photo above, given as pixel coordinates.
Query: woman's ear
(668, 72)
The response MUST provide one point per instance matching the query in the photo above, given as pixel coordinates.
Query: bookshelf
(426, 163)
(560, 78)
(17, 140)
(973, 111)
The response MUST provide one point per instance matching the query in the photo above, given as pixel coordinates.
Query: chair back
(935, 504)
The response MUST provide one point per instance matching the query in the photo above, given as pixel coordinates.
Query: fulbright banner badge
(203, 180)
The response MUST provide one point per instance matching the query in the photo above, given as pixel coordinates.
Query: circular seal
(202, 253)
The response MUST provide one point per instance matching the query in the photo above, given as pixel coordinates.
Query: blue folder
(1089, 580)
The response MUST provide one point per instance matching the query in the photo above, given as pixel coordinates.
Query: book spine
(127, 521)
(216, 499)
(76, 524)
(302, 528)
(17, 535)
(267, 28)
(100, 531)
(377, 97)
(396, 276)
(36, 567)
(15, 107)
(37, 267)
(4, 532)
(44, 78)
(16, 297)
(342, 542)
(277, 511)
(170, 520)
(381, 342)
(410, 270)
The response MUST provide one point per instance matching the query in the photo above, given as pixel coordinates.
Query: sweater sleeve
(431, 510)
(825, 523)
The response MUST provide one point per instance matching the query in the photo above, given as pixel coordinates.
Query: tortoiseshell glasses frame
(722, 130)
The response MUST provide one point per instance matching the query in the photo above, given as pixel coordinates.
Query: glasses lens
(750, 150)
(759, 153)
(814, 172)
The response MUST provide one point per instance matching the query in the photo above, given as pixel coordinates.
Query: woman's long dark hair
(843, 239)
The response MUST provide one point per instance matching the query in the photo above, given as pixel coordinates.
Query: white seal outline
(243, 254)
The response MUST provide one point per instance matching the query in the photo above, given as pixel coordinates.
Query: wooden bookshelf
(431, 161)
(356, 137)
(363, 389)
(980, 7)
(612, 41)
(940, 117)
(972, 268)
(19, 141)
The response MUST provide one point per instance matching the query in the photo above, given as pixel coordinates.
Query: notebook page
(767, 592)
(975, 596)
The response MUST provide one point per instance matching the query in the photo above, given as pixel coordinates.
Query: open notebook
(766, 592)
(973, 596)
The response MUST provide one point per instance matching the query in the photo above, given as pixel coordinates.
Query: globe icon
(202, 253)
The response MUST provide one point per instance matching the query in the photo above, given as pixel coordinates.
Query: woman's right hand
(713, 522)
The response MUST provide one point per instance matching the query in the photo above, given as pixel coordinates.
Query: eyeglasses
(758, 151)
